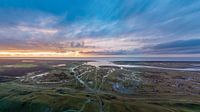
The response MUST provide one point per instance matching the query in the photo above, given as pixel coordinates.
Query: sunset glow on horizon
(41, 54)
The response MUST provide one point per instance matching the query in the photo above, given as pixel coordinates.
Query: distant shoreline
(109, 58)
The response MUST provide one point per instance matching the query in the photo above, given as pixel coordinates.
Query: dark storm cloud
(178, 47)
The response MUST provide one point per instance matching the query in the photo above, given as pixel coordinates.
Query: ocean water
(105, 63)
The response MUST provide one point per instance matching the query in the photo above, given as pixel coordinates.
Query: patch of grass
(20, 66)
(18, 106)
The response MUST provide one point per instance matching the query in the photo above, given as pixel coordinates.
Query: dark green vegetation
(73, 86)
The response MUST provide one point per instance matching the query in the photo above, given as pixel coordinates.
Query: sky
(87, 28)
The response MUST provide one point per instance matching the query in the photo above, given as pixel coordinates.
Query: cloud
(118, 27)
(179, 44)
(34, 30)
(119, 52)
(191, 46)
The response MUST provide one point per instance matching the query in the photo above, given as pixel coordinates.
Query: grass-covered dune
(26, 98)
